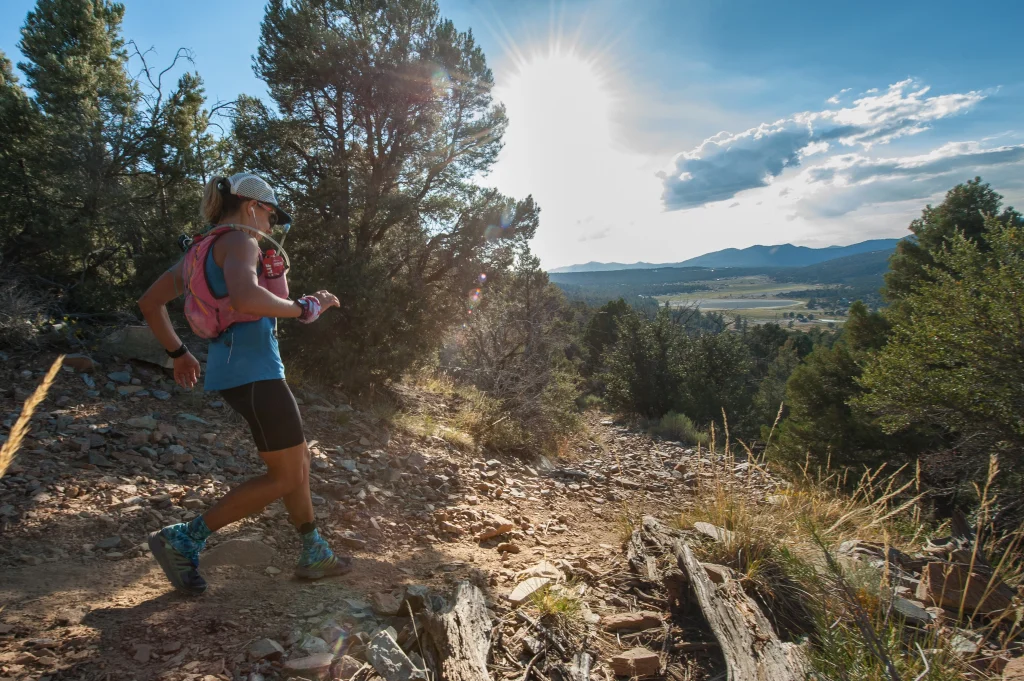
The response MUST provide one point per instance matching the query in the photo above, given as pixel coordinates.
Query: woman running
(244, 365)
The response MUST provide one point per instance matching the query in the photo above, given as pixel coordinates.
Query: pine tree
(963, 211)
(386, 120)
(19, 140)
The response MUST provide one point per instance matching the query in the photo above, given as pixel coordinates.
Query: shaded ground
(82, 598)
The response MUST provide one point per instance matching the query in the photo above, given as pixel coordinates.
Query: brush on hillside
(20, 429)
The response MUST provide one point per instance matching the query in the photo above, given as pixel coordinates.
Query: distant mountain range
(784, 255)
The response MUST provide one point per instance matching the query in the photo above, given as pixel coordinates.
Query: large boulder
(137, 342)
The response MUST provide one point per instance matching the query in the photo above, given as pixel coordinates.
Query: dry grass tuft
(783, 546)
(20, 429)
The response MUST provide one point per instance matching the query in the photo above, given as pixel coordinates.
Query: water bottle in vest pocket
(208, 314)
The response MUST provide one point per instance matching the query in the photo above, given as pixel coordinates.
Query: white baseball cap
(251, 186)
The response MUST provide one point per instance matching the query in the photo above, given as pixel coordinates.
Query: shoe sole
(159, 551)
(306, 573)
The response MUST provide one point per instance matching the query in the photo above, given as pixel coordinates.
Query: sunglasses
(272, 218)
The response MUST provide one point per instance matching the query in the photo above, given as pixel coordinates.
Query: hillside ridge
(779, 255)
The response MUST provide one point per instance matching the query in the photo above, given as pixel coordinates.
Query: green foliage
(386, 119)
(644, 370)
(964, 212)
(657, 367)
(104, 164)
(678, 427)
(601, 333)
(513, 348)
(954, 364)
(821, 422)
(771, 392)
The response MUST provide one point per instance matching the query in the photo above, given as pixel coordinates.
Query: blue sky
(661, 129)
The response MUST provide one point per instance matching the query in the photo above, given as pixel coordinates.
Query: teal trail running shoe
(178, 555)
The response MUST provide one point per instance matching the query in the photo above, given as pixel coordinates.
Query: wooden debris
(752, 650)
(456, 640)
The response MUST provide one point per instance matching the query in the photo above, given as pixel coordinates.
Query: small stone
(912, 611)
(120, 377)
(109, 542)
(208, 438)
(345, 668)
(83, 364)
(1014, 670)
(146, 422)
(161, 395)
(171, 647)
(265, 649)
(97, 459)
(389, 660)
(350, 540)
(129, 389)
(365, 442)
(951, 584)
(313, 645)
(496, 526)
(508, 547)
(271, 570)
(416, 597)
(385, 604)
(318, 665)
(527, 588)
(636, 662)
(637, 621)
(143, 652)
(192, 504)
(717, 533)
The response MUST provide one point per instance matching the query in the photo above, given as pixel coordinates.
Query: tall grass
(785, 553)
(20, 429)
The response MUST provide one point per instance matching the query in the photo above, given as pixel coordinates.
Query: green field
(757, 299)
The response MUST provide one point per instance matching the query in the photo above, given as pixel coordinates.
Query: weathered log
(456, 640)
(752, 650)
(649, 541)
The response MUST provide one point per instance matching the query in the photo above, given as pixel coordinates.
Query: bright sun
(559, 109)
(564, 148)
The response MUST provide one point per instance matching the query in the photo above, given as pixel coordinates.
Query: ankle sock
(198, 530)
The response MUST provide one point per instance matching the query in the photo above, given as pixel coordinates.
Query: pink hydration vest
(207, 314)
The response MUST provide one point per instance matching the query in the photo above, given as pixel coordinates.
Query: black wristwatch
(177, 353)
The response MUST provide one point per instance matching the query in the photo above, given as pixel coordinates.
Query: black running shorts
(270, 409)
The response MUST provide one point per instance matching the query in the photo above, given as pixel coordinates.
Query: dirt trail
(82, 598)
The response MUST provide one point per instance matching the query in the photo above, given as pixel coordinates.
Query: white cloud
(726, 164)
(834, 99)
(846, 183)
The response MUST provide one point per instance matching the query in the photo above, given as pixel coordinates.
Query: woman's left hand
(186, 370)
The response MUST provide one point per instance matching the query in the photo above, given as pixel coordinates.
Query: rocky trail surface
(117, 451)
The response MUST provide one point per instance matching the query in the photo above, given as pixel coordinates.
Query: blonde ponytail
(212, 206)
(218, 202)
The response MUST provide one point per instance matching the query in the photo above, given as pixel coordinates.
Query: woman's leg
(287, 477)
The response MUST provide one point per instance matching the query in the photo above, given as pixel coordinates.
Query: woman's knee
(290, 470)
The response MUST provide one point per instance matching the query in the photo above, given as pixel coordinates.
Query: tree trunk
(456, 640)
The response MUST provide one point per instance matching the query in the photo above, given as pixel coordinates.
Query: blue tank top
(246, 352)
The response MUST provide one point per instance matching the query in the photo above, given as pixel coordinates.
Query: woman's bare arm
(153, 304)
(247, 296)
